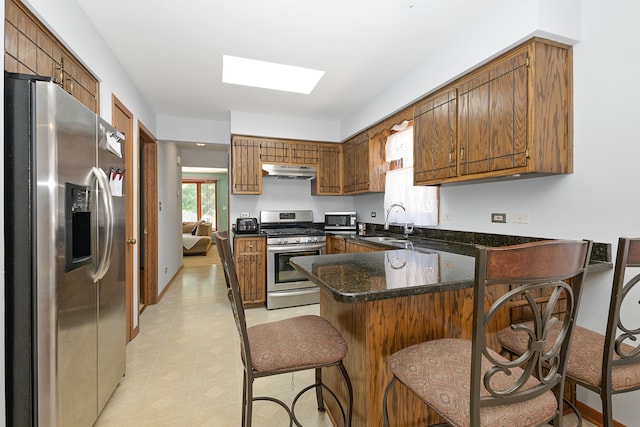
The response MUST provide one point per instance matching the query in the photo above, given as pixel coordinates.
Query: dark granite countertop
(366, 276)
(416, 266)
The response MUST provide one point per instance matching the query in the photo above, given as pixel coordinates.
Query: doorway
(148, 249)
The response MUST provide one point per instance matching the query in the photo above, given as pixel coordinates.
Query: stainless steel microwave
(341, 221)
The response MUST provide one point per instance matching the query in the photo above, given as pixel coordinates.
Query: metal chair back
(552, 268)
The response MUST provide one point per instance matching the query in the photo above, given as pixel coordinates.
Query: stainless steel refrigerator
(65, 320)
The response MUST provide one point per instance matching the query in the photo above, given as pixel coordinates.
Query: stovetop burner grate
(292, 231)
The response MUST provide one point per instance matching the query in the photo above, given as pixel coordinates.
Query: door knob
(131, 241)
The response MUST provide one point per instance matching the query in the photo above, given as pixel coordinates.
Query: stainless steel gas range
(289, 234)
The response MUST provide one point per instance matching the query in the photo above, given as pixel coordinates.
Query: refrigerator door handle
(105, 191)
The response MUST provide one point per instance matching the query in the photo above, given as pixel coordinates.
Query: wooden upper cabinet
(364, 165)
(246, 170)
(435, 144)
(328, 180)
(514, 117)
(284, 152)
(30, 48)
(492, 133)
(274, 151)
(355, 164)
(304, 153)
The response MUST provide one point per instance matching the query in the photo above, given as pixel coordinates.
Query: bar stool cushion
(301, 343)
(585, 356)
(439, 373)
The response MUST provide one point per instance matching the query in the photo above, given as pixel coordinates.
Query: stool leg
(347, 382)
(247, 401)
(385, 412)
(319, 397)
(607, 408)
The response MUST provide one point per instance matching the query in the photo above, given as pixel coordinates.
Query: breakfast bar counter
(382, 302)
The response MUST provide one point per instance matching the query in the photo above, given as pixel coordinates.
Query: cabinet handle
(461, 153)
(449, 156)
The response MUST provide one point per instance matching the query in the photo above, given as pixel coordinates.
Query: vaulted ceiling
(173, 50)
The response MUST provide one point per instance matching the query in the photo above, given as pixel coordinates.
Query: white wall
(204, 157)
(169, 214)
(284, 127)
(184, 129)
(287, 194)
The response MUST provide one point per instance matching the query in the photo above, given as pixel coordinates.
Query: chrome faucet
(408, 228)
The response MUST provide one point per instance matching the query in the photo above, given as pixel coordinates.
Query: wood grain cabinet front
(364, 165)
(251, 267)
(246, 170)
(510, 117)
(329, 172)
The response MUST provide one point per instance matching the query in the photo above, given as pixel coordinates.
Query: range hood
(289, 171)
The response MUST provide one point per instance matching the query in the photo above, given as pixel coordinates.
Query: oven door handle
(295, 248)
(288, 293)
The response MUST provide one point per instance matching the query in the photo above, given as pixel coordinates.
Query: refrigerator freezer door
(65, 152)
(111, 308)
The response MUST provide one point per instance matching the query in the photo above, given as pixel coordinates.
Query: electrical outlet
(499, 217)
(520, 218)
(373, 214)
(244, 214)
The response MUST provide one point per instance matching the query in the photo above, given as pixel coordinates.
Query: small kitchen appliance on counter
(340, 221)
(247, 226)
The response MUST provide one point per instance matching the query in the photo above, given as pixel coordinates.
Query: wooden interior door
(149, 215)
(122, 119)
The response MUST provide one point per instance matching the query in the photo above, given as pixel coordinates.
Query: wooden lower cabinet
(251, 268)
(335, 245)
(353, 246)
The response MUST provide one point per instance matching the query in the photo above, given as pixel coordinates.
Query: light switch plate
(499, 217)
(520, 218)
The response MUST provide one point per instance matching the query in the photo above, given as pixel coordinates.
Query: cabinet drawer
(338, 245)
(248, 245)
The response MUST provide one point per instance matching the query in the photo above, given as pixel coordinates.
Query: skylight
(269, 75)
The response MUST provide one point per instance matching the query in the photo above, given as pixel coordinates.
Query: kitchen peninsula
(385, 301)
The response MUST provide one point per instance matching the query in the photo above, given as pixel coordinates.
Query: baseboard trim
(593, 416)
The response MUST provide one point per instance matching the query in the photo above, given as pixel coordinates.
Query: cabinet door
(246, 168)
(251, 270)
(272, 151)
(357, 247)
(435, 144)
(349, 167)
(362, 165)
(328, 174)
(303, 153)
(492, 127)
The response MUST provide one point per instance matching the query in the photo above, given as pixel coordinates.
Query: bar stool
(290, 345)
(469, 384)
(605, 364)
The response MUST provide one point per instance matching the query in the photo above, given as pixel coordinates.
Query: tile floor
(184, 368)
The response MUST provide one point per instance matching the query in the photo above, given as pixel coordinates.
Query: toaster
(247, 226)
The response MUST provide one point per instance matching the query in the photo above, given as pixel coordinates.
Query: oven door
(281, 276)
